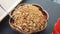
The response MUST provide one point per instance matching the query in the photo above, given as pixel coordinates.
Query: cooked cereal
(28, 18)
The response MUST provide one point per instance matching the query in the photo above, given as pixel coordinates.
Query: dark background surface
(53, 10)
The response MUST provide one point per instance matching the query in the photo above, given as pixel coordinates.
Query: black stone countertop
(53, 10)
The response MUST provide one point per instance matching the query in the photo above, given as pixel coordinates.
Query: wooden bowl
(40, 8)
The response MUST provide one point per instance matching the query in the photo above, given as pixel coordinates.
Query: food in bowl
(28, 18)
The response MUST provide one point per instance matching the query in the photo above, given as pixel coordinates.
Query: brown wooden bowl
(40, 8)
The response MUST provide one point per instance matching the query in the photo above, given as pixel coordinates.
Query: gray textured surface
(52, 8)
(57, 1)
